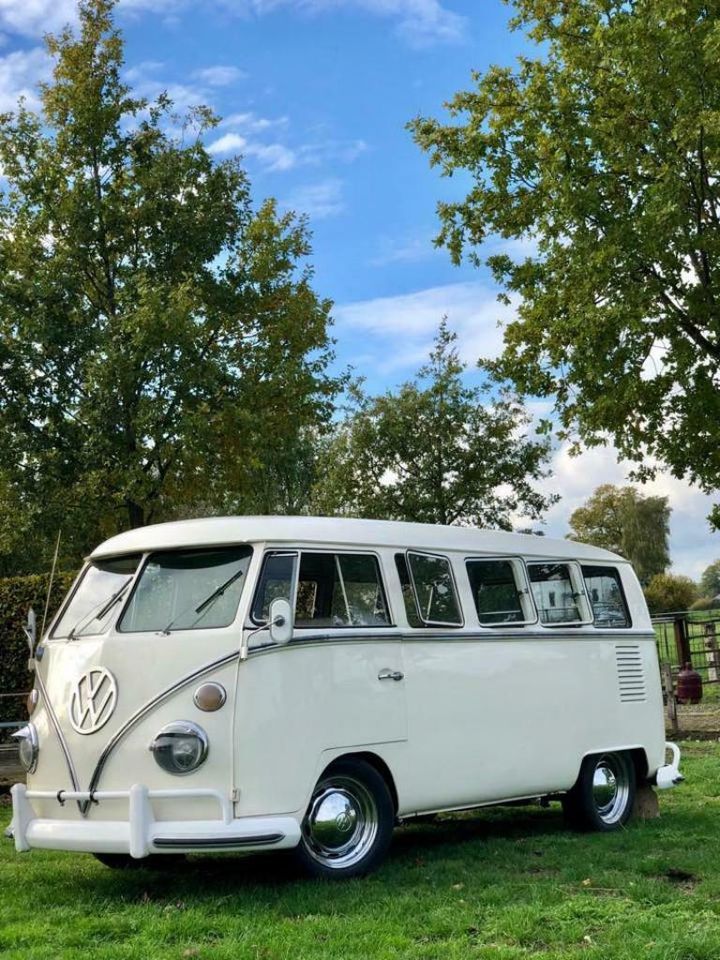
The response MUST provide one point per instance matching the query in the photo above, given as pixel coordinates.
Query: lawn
(502, 884)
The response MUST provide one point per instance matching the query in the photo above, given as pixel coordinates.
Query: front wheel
(349, 822)
(604, 793)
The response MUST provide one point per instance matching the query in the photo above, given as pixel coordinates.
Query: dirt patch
(681, 878)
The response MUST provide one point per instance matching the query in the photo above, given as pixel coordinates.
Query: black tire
(349, 822)
(123, 861)
(604, 794)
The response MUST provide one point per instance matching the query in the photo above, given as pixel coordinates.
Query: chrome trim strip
(139, 714)
(59, 734)
(217, 843)
(446, 638)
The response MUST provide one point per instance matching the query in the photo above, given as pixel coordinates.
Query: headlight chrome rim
(169, 736)
(27, 737)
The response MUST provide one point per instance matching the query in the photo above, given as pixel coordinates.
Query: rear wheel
(349, 822)
(604, 793)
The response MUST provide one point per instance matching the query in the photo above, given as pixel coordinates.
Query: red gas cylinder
(689, 685)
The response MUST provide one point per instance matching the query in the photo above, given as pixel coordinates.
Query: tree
(161, 345)
(669, 593)
(710, 580)
(623, 520)
(604, 153)
(434, 452)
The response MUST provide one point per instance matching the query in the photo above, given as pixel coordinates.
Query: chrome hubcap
(341, 823)
(610, 788)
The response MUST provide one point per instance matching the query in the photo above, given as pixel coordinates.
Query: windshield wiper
(107, 606)
(205, 605)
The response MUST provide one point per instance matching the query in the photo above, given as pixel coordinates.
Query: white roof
(213, 531)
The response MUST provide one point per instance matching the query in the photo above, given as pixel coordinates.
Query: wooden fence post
(666, 670)
(682, 641)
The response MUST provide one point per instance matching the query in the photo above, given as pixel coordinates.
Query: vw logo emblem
(93, 700)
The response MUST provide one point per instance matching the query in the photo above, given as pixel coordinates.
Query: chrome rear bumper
(141, 834)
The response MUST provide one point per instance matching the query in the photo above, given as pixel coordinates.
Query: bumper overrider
(141, 834)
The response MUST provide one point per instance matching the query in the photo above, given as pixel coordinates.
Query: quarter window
(276, 581)
(434, 589)
(606, 597)
(558, 594)
(499, 592)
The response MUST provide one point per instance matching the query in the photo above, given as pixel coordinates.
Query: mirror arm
(276, 622)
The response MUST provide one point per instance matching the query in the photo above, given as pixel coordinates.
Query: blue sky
(316, 95)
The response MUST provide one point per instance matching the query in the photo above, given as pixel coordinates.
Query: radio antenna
(50, 585)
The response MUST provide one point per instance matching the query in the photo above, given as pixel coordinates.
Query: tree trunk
(135, 514)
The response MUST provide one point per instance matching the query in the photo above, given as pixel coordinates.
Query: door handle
(391, 675)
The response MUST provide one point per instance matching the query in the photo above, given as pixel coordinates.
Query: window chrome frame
(331, 551)
(147, 557)
(628, 625)
(458, 602)
(522, 585)
(580, 594)
(50, 636)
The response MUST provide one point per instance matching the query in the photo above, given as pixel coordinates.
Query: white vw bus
(263, 683)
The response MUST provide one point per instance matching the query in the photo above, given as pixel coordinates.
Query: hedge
(17, 595)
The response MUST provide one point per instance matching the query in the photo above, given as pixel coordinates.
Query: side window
(434, 589)
(340, 590)
(558, 593)
(499, 592)
(276, 580)
(606, 597)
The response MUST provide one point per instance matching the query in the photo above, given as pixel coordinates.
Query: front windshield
(88, 610)
(187, 590)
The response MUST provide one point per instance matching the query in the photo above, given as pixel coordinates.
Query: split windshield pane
(187, 590)
(103, 581)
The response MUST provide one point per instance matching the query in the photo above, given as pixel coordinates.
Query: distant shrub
(706, 603)
(669, 593)
(17, 595)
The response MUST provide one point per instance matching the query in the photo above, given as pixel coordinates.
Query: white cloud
(403, 327)
(20, 73)
(274, 157)
(220, 76)
(399, 332)
(251, 122)
(317, 200)
(413, 249)
(692, 545)
(420, 22)
(36, 17)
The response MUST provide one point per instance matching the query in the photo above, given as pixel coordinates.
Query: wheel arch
(377, 763)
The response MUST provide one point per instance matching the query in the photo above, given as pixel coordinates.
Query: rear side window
(434, 590)
(340, 590)
(559, 594)
(606, 596)
(500, 594)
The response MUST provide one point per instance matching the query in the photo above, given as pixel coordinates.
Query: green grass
(503, 884)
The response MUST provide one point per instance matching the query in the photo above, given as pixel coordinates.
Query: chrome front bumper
(141, 834)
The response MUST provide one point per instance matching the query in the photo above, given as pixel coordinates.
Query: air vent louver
(631, 676)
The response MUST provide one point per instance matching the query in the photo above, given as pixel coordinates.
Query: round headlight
(180, 747)
(28, 747)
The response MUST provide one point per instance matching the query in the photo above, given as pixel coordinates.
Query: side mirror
(281, 621)
(30, 631)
